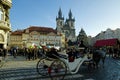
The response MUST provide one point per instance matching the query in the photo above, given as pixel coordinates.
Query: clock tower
(5, 25)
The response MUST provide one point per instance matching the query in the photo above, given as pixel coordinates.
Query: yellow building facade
(5, 26)
(15, 39)
(35, 35)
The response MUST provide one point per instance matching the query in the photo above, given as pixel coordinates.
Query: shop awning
(106, 42)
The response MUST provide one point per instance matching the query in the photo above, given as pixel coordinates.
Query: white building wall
(108, 34)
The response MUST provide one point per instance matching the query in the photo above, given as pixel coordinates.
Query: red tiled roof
(44, 30)
(17, 32)
(41, 29)
(106, 42)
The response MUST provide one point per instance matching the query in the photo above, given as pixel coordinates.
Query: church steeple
(60, 14)
(67, 27)
(59, 21)
(70, 21)
(70, 14)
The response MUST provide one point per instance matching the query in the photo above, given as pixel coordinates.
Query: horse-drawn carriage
(60, 66)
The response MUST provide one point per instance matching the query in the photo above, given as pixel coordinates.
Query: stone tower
(67, 27)
(59, 21)
(5, 26)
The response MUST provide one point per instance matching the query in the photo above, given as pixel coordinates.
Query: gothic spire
(70, 14)
(59, 13)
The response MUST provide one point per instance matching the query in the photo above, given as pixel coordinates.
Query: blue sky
(93, 16)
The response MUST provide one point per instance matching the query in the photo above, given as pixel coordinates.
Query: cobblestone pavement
(29, 74)
(21, 69)
(18, 62)
(111, 71)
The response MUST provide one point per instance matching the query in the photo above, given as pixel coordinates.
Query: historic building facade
(35, 35)
(5, 26)
(66, 27)
(107, 34)
(15, 38)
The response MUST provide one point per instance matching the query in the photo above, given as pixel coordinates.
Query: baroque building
(36, 35)
(5, 26)
(66, 27)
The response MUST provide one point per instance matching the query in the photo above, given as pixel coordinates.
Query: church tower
(67, 27)
(59, 21)
(70, 27)
(70, 21)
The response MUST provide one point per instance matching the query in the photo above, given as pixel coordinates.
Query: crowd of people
(114, 52)
(35, 53)
(31, 53)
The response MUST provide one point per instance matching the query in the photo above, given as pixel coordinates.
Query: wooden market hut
(107, 42)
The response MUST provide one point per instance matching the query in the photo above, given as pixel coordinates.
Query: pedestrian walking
(39, 53)
(35, 51)
(14, 53)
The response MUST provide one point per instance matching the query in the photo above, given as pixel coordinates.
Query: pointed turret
(70, 14)
(70, 21)
(60, 15)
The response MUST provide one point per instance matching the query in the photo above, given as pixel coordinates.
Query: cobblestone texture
(18, 62)
(21, 69)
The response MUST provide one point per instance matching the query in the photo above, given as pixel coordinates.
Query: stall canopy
(106, 42)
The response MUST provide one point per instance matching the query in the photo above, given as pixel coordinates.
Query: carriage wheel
(42, 67)
(58, 70)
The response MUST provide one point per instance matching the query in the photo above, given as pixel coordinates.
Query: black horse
(97, 56)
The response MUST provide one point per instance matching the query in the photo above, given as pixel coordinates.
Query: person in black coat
(53, 53)
(71, 55)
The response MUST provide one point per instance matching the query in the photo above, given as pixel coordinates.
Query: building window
(1, 13)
